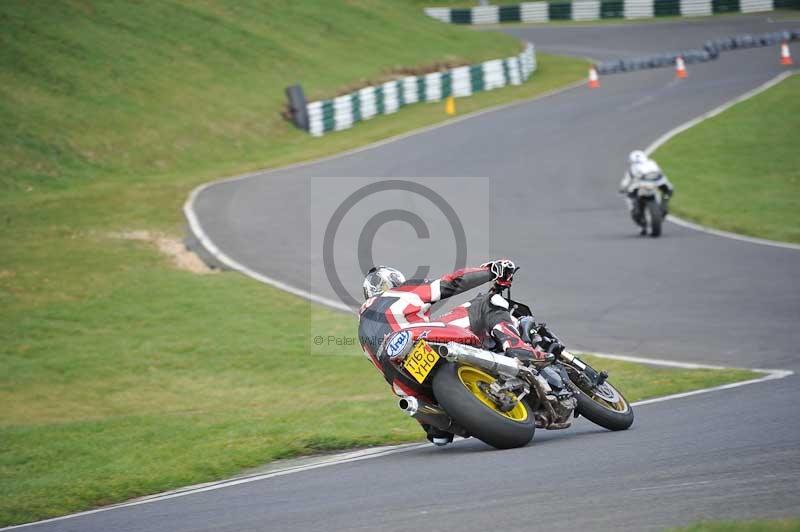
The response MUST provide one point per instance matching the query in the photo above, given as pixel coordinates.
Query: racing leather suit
(407, 306)
(644, 171)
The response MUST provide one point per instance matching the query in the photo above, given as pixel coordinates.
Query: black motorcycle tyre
(656, 217)
(478, 419)
(599, 415)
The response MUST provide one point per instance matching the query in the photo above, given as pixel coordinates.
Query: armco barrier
(342, 112)
(602, 9)
(709, 52)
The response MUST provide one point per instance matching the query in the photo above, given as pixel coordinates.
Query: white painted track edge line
(378, 452)
(773, 375)
(734, 236)
(353, 456)
(703, 117)
(769, 374)
(210, 247)
(669, 363)
(199, 233)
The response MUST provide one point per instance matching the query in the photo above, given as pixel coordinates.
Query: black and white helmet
(381, 278)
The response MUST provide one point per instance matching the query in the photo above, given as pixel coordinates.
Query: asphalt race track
(554, 165)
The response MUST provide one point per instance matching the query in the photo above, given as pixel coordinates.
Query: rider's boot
(437, 437)
(638, 218)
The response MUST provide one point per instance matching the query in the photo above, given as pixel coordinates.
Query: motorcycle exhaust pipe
(492, 362)
(409, 405)
(429, 414)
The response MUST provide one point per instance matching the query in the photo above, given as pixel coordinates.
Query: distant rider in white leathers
(642, 168)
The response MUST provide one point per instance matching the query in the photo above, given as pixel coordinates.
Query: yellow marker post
(450, 105)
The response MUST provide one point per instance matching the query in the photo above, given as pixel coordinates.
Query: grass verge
(740, 171)
(644, 381)
(780, 525)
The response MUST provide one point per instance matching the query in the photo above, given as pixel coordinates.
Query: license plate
(421, 360)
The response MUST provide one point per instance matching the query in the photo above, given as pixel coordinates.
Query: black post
(297, 106)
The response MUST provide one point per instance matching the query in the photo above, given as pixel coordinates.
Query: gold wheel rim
(470, 377)
(615, 402)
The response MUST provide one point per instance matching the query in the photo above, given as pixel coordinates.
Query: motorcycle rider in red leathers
(394, 304)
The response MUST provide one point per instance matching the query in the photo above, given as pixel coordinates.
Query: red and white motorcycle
(477, 391)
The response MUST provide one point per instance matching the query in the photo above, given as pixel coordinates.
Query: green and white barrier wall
(601, 9)
(342, 112)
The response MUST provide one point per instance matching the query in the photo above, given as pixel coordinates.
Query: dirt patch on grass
(173, 248)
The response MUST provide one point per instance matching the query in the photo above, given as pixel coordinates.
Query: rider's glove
(556, 348)
(502, 271)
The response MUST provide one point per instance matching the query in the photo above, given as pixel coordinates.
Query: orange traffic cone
(786, 54)
(594, 81)
(680, 67)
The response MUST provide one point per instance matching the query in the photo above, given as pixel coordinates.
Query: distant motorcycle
(649, 205)
(475, 390)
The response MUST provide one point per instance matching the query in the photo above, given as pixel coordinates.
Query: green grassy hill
(136, 90)
(120, 374)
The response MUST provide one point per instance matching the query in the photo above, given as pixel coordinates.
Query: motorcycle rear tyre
(478, 419)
